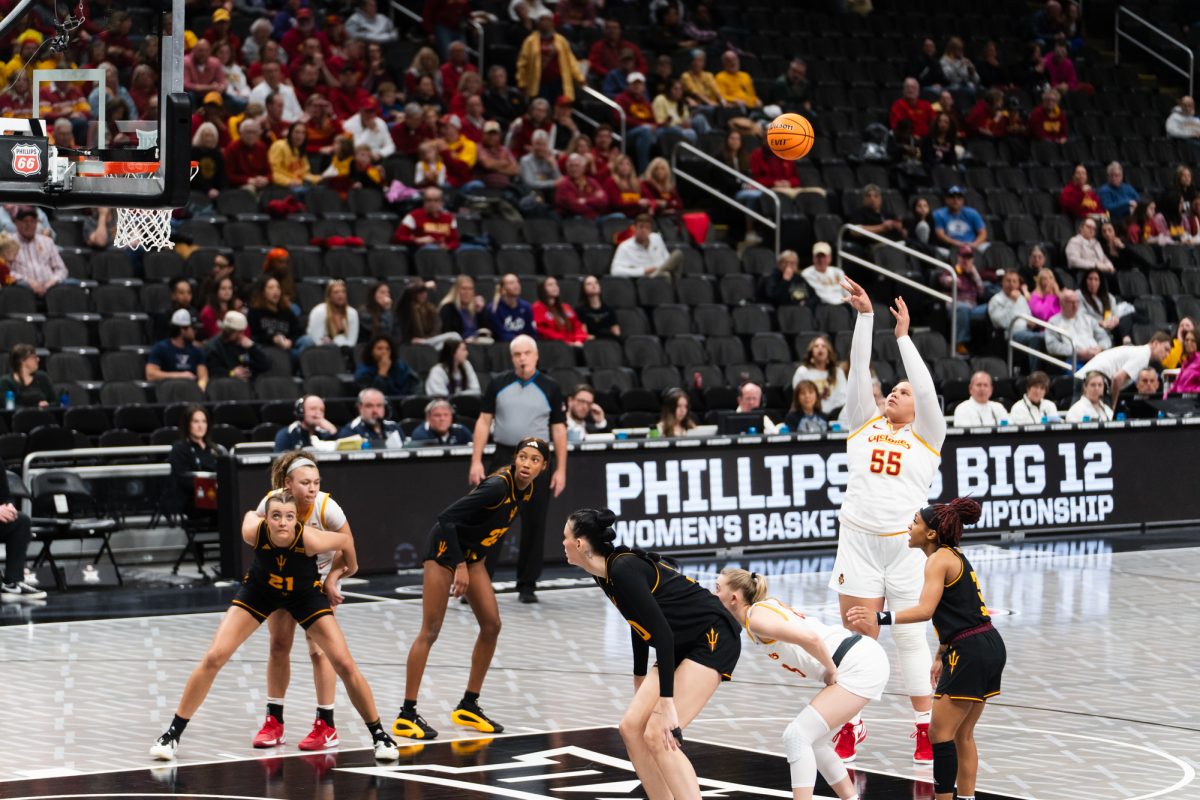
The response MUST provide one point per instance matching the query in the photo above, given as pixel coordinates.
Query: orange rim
(115, 169)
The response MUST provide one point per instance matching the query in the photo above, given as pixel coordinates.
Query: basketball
(790, 136)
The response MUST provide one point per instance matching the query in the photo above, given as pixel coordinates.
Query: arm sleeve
(860, 400)
(631, 580)
(929, 422)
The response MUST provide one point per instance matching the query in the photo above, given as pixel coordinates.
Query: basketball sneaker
(924, 750)
(847, 739)
(321, 737)
(271, 733)
(385, 748)
(164, 749)
(412, 725)
(16, 592)
(470, 715)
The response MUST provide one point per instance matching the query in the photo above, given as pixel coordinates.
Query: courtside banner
(703, 495)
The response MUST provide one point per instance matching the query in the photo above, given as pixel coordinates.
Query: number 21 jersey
(890, 472)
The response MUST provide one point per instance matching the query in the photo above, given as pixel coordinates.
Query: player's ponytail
(595, 525)
(750, 586)
(948, 519)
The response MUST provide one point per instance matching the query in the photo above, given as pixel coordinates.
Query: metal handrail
(776, 224)
(952, 298)
(408, 12)
(615, 106)
(1038, 354)
(478, 26)
(1118, 34)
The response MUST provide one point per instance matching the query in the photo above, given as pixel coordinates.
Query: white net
(143, 228)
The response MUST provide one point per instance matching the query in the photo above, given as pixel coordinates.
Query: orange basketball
(790, 136)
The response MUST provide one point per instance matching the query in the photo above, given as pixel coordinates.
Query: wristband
(884, 617)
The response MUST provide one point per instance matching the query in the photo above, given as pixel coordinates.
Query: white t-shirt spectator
(370, 29)
(631, 259)
(1025, 412)
(1129, 358)
(970, 414)
(1182, 126)
(316, 326)
(836, 396)
(1086, 332)
(375, 137)
(438, 382)
(1099, 412)
(1002, 309)
(1087, 254)
(291, 106)
(825, 284)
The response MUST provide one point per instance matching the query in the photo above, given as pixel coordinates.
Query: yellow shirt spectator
(288, 168)
(702, 86)
(464, 150)
(737, 87)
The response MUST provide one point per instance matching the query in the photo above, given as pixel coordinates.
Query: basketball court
(1099, 698)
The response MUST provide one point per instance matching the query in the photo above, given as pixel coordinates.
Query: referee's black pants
(533, 523)
(15, 537)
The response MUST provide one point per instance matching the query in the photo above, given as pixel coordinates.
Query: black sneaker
(527, 596)
(14, 592)
(412, 725)
(472, 716)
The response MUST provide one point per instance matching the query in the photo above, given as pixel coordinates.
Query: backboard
(33, 169)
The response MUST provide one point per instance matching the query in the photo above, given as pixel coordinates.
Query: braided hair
(596, 526)
(947, 519)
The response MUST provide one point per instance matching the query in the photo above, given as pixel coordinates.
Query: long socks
(275, 708)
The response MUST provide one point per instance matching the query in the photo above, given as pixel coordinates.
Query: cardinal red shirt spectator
(349, 96)
(911, 106)
(430, 224)
(521, 132)
(772, 171)
(304, 28)
(605, 54)
(577, 195)
(455, 67)
(1078, 199)
(409, 134)
(246, 161)
(1048, 122)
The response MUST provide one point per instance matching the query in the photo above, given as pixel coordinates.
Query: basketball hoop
(139, 228)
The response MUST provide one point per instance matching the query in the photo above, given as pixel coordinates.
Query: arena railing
(951, 299)
(1038, 354)
(775, 225)
(1165, 38)
(608, 101)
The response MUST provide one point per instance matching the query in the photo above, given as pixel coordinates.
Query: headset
(298, 407)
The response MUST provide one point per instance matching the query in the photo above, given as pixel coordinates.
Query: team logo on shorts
(441, 548)
(841, 578)
(952, 661)
(712, 640)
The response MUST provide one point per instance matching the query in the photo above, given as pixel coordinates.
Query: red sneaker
(924, 752)
(847, 739)
(321, 737)
(271, 733)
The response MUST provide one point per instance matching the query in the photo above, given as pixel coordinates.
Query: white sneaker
(164, 749)
(15, 592)
(386, 749)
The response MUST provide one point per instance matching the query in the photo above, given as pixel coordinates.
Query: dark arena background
(370, 176)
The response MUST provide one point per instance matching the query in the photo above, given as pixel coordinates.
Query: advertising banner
(698, 495)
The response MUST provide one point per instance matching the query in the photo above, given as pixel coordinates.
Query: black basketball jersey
(666, 610)
(961, 607)
(284, 569)
(477, 521)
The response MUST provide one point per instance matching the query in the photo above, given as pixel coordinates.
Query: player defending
(892, 459)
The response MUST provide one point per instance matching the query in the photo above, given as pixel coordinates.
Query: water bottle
(1162, 415)
(1003, 423)
(753, 430)
(366, 444)
(1045, 419)
(784, 429)
(10, 400)
(64, 399)
(1120, 416)
(1086, 418)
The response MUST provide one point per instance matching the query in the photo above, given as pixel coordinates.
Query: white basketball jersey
(890, 472)
(792, 657)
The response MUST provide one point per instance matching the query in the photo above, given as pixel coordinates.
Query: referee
(523, 403)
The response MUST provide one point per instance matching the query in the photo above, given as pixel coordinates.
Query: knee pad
(915, 659)
(945, 767)
(799, 740)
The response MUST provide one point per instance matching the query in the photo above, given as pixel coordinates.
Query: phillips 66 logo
(26, 159)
